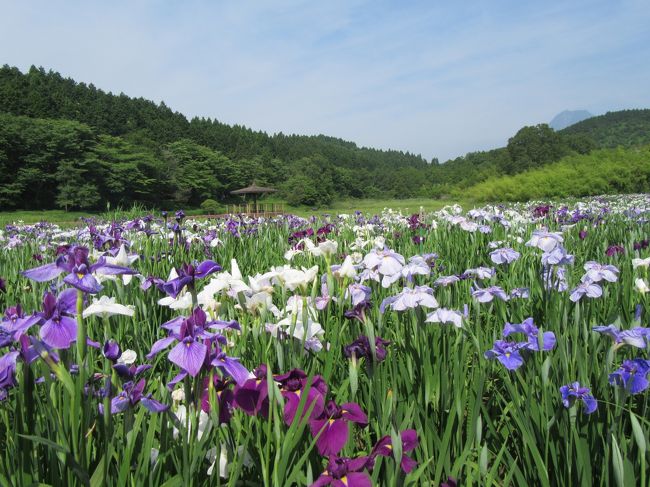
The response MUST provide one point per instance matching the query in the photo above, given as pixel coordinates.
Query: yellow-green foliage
(605, 171)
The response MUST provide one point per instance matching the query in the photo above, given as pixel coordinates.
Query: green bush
(212, 207)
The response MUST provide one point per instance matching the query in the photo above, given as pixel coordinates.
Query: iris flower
(79, 270)
(636, 337)
(331, 426)
(573, 392)
(132, 395)
(504, 255)
(361, 348)
(632, 375)
(344, 472)
(586, 288)
(410, 298)
(187, 274)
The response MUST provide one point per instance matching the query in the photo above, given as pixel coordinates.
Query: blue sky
(435, 78)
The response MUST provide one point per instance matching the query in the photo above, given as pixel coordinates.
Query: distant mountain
(568, 117)
(627, 128)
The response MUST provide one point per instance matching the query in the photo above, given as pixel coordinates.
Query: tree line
(71, 145)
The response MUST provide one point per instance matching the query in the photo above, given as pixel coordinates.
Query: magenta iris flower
(384, 447)
(632, 375)
(292, 386)
(574, 392)
(331, 426)
(79, 271)
(344, 472)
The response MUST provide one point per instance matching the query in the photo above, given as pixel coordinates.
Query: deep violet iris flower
(132, 395)
(361, 348)
(332, 426)
(187, 274)
(74, 262)
(224, 395)
(252, 396)
(574, 392)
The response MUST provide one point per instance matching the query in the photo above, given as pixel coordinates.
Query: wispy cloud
(418, 76)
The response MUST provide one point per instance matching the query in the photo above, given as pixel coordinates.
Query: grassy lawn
(371, 206)
(54, 216)
(377, 206)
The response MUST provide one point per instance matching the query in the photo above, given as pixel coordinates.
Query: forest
(67, 144)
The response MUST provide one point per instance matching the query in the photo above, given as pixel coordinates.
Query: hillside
(627, 128)
(603, 171)
(67, 144)
(567, 118)
(334, 167)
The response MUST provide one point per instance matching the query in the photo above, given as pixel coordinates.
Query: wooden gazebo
(255, 192)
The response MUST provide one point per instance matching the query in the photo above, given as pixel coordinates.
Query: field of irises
(506, 345)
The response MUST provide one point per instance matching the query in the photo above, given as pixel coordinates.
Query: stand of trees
(70, 145)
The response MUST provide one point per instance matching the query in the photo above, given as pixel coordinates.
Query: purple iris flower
(15, 322)
(410, 298)
(487, 294)
(358, 293)
(384, 447)
(152, 281)
(446, 281)
(58, 325)
(632, 375)
(520, 292)
(332, 426)
(111, 350)
(600, 272)
(573, 392)
(614, 249)
(131, 396)
(557, 256)
(187, 274)
(532, 334)
(252, 396)
(231, 365)
(358, 312)
(7, 373)
(361, 348)
(586, 288)
(292, 385)
(80, 272)
(344, 472)
(224, 395)
(636, 337)
(507, 353)
(190, 352)
(555, 278)
(504, 255)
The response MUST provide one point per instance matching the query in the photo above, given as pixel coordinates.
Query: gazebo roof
(254, 189)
